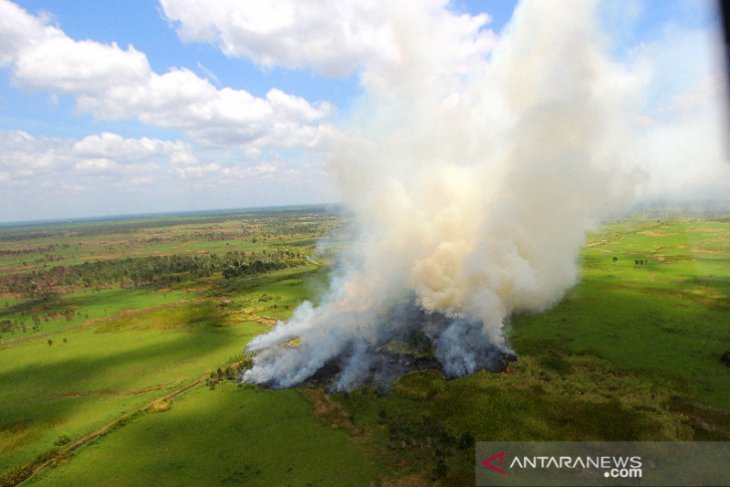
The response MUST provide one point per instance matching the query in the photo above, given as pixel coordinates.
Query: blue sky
(141, 23)
(68, 149)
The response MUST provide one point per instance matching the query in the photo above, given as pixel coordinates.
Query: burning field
(473, 169)
(412, 340)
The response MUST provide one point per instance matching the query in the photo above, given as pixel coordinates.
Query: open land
(121, 342)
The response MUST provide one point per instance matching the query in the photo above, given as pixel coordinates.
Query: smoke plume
(474, 164)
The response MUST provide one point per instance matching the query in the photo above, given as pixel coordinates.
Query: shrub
(62, 440)
(725, 358)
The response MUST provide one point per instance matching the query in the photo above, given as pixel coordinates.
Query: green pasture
(135, 346)
(669, 316)
(631, 353)
(98, 373)
(58, 312)
(227, 436)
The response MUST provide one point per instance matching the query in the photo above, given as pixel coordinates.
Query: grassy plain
(76, 357)
(669, 313)
(632, 352)
(228, 436)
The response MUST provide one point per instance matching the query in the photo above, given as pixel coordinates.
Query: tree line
(149, 271)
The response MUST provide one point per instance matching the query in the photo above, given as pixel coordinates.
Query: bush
(725, 358)
(62, 440)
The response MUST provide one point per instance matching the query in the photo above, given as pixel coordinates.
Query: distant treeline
(151, 270)
(29, 231)
(33, 250)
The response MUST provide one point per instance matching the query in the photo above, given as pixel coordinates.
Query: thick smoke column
(474, 166)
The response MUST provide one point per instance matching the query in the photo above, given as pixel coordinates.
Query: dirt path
(36, 466)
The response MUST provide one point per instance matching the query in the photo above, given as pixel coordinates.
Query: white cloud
(128, 151)
(112, 83)
(26, 159)
(22, 155)
(17, 31)
(108, 158)
(57, 62)
(108, 174)
(94, 164)
(215, 172)
(331, 37)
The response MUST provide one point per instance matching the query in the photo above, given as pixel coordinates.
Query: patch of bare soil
(330, 412)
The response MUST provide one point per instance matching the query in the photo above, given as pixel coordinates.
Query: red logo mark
(488, 462)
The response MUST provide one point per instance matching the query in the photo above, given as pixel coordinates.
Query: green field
(228, 436)
(119, 373)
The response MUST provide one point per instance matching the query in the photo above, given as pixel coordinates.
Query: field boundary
(26, 472)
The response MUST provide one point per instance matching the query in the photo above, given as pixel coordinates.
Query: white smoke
(474, 166)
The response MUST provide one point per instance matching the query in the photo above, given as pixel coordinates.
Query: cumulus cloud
(27, 160)
(17, 31)
(105, 158)
(78, 67)
(127, 151)
(332, 37)
(106, 173)
(113, 83)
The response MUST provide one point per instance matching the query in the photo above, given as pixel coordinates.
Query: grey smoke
(474, 167)
(397, 340)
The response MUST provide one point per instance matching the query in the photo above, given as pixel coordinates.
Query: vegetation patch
(124, 318)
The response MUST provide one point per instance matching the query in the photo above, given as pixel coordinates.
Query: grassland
(669, 312)
(258, 437)
(632, 352)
